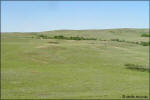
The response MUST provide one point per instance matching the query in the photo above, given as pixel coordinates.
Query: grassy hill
(35, 68)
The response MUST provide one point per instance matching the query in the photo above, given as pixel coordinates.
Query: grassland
(35, 68)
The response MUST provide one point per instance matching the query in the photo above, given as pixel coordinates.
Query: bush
(59, 37)
(140, 43)
(63, 37)
(42, 36)
(145, 35)
(137, 67)
(73, 38)
(145, 43)
(118, 40)
(76, 38)
(132, 42)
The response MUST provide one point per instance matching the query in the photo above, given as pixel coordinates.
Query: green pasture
(33, 68)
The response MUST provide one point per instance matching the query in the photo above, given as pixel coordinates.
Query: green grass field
(35, 68)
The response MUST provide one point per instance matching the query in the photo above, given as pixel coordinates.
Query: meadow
(92, 67)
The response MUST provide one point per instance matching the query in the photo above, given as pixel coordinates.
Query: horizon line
(74, 30)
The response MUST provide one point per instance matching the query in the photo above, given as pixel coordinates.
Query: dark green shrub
(42, 36)
(132, 42)
(137, 67)
(145, 35)
(73, 38)
(140, 43)
(76, 38)
(59, 37)
(63, 37)
(145, 43)
(118, 40)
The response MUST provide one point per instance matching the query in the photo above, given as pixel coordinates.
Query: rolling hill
(33, 67)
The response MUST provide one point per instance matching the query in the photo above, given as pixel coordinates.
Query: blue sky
(36, 16)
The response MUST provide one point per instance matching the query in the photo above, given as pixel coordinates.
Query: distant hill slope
(128, 34)
(125, 34)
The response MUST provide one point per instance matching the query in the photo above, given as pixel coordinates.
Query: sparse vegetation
(145, 35)
(118, 40)
(53, 42)
(63, 37)
(145, 43)
(43, 36)
(140, 43)
(137, 67)
(59, 37)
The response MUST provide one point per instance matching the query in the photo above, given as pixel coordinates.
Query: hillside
(34, 67)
